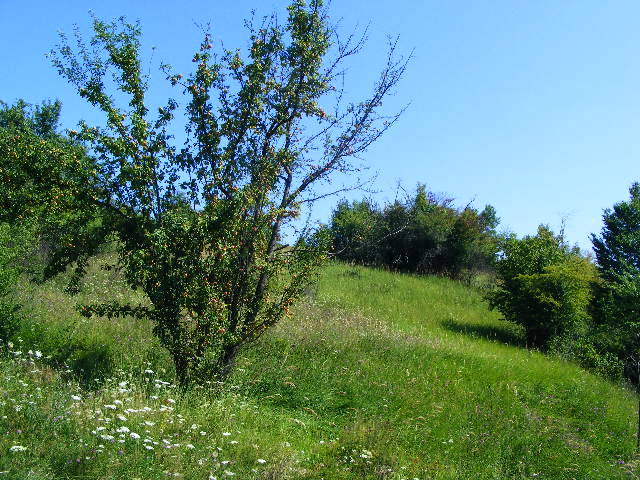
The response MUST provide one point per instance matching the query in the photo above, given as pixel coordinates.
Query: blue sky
(532, 106)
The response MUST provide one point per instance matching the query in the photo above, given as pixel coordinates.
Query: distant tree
(464, 246)
(422, 234)
(545, 286)
(489, 220)
(198, 227)
(617, 251)
(356, 231)
(432, 220)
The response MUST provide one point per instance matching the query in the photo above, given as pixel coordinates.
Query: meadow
(376, 375)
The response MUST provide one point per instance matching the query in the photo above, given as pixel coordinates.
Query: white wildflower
(17, 448)
(110, 407)
(148, 371)
(134, 435)
(189, 446)
(261, 461)
(122, 429)
(148, 447)
(117, 402)
(226, 434)
(77, 398)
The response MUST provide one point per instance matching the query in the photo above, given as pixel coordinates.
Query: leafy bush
(356, 231)
(546, 287)
(15, 242)
(424, 234)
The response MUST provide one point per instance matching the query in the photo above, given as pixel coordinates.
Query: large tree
(617, 252)
(198, 227)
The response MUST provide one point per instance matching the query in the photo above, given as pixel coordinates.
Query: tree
(356, 231)
(197, 227)
(545, 286)
(44, 177)
(617, 305)
(31, 149)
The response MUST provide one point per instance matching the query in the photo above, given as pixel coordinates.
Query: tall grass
(376, 376)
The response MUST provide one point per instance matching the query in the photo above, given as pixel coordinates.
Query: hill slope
(378, 375)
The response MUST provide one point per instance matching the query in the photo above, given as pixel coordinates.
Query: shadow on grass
(508, 334)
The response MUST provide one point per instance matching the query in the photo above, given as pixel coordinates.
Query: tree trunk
(227, 360)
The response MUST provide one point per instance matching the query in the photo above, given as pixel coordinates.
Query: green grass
(377, 376)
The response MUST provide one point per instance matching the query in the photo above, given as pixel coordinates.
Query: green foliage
(42, 120)
(617, 304)
(198, 228)
(424, 234)
(43, 182)
(356, 230)
(15, 242)
(546, 287)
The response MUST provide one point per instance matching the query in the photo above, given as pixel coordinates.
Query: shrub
(15, 242)
(356, 231)
(546, 287)
(424, 234)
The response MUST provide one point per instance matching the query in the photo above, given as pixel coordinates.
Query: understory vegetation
(375, 375)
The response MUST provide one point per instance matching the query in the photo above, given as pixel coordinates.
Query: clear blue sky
(532, 106)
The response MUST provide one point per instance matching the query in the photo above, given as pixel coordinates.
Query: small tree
(545, 286)
(356, 231)
(198, 227)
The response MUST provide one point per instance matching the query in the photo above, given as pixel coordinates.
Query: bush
(424, 234)
(546, 287)
(14, 243)
(356, 229)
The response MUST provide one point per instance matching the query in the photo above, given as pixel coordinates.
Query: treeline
(422, 234)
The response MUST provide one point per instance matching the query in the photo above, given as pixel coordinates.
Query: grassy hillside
(376, 376)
